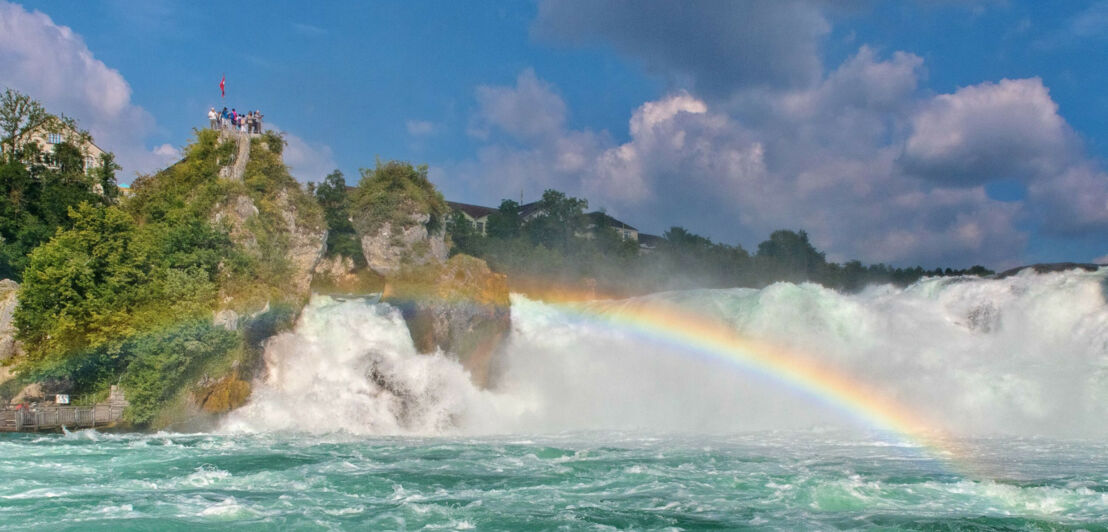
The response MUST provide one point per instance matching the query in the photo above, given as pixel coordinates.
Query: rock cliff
(392, 246)
(9, 299)
(456, 305)
(460, 307)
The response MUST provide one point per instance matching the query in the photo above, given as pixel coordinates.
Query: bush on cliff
(342, 240)
(163, 361)
(394, 191)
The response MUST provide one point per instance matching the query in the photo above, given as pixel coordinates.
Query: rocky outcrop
(9, 299)
(460, 307)
(390, 247)
(233, 213)
(222, 395)
(306, 244)
(340, 275)
(1050, 267)
(234, 171)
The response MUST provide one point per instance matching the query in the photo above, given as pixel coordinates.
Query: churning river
(953, 403)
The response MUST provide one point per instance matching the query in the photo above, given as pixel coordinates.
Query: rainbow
(670, 324)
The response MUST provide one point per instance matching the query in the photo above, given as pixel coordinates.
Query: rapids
(598, 425)
(1026, 355)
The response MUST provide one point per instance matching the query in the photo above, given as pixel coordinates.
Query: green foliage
(391, 193)
(560, 219)
(793, 256)
(125, 293)
(19, 116)
(274, 141)
(187, 190)
(506, 222)
(462, 233)
(106, 278)
(162, 362)
(35, 202)
(331, 194)
(104, 175)
(561, 245)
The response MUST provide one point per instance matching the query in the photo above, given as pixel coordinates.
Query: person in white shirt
(213, 118)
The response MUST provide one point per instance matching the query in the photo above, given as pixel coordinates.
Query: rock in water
(389, 249)
(460, 307)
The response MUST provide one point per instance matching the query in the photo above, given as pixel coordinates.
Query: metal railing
(55, 417)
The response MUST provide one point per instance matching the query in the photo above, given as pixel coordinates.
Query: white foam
(1023, 355)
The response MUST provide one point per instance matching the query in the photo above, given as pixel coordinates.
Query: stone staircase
(235, 170)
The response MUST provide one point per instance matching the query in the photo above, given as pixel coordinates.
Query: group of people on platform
(233, 120)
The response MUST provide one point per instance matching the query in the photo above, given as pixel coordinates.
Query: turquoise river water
(594, 481)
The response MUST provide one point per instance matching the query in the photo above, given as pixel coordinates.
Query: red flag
(222, 82)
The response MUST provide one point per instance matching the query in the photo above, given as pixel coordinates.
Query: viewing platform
(54, 417)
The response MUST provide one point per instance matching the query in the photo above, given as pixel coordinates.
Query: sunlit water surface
(601, 480)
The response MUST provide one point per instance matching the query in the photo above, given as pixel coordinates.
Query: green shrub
(164, 361)
(394, 191)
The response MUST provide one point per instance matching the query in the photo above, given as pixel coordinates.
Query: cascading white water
(1023, 355)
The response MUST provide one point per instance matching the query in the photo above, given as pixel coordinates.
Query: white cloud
(168, 152)
(52, 64)
(530, 110)
(420, 128)
(822, 159)
(307, 161)
(980, 133)
(1103, 261)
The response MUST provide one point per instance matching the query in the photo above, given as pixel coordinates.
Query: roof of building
(527, 209)
(474, 211)
(649, 241)
(602, 219)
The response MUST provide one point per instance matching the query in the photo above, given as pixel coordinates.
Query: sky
(937, 133)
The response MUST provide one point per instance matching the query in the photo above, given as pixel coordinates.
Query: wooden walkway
(54, 417)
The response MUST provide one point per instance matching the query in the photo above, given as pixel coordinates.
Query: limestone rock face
(234, 213)
(234, 171)
(223, 395)
(306, 245)
(460, 307)
(338, 268)
(226, 318)
(390, 249)
(9, 299)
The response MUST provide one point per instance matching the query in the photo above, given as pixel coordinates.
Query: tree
(19, 115)
(505, 222)
(793, 254)
(462, 233)
(104, 174)
(341, 238)
(80, 288)
(560, 219)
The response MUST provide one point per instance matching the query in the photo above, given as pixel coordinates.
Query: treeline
(562, 244)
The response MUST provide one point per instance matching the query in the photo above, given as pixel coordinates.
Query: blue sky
(937, 133)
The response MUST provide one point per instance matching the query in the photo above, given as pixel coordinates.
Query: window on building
(54, 138)
(481, 227)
